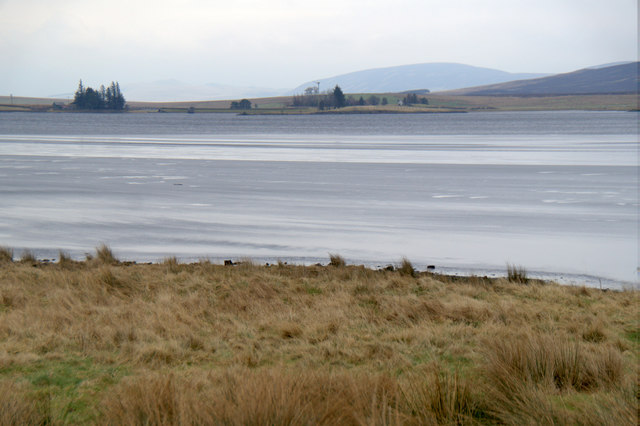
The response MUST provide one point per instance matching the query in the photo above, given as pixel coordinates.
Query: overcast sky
(47, 45)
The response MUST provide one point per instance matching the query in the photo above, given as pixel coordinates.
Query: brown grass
(6, 255)
(170, 343)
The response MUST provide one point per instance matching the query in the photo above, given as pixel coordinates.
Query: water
(554, 192)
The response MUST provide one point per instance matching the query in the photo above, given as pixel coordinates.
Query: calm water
(554, 192)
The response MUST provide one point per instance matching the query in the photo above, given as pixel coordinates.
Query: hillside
(617, 79)
(432, 76)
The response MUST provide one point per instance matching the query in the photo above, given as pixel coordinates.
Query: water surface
(554, 192)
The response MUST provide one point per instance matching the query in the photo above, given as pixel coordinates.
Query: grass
(6, 254)
(517, 274)
(336, 260)
(108, 342)
(105, 255)
(406, 267)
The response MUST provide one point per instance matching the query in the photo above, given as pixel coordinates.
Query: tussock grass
(6, 255)
(406, 267)
(28, 257)
(336, 260)
(517, 274)
(172, 264)
(105, 255)
(200, 343)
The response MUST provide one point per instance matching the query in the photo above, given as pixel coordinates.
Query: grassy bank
(106, 342)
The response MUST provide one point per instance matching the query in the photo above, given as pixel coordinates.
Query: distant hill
(617, 79)
(432, 76)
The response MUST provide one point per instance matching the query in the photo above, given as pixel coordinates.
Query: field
(109, 342)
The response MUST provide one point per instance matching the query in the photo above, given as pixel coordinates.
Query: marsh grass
(406, 267)
(336, 260)
(517, 274)
(172, 264)
(28, 257)
(6, 255)
(105, 255)
(169, 343)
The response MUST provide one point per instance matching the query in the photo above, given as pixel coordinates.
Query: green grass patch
(72, 387)
(633, 336)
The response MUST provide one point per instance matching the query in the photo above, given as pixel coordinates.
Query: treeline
(337, 99)
(243, 104)
(332, 99)
(412, 99)
(110, 98)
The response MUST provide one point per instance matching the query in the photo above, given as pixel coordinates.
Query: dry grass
(6, 254)
(107, 342)
(517, 274)
(406, 267)
(336, 260)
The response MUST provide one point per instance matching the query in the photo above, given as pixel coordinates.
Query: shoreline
(438, 103)
(39, 257)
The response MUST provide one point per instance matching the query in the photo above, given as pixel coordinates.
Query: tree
(92, 99)
(385, 101)
(410, 99)
(338, 97)
(373, 100)
(78, 98)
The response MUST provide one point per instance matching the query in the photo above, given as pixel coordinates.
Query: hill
(617, 79)
(432, 76)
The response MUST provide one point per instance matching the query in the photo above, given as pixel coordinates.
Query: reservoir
(555, 192)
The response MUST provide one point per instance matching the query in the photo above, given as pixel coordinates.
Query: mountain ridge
(616, 79)
(435, 76)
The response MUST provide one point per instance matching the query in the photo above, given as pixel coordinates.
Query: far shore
(438, 103)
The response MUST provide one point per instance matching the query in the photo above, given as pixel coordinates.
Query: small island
(103, 99)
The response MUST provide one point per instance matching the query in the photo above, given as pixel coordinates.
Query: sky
(46, 46)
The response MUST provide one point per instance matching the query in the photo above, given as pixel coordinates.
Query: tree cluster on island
(110, 98)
